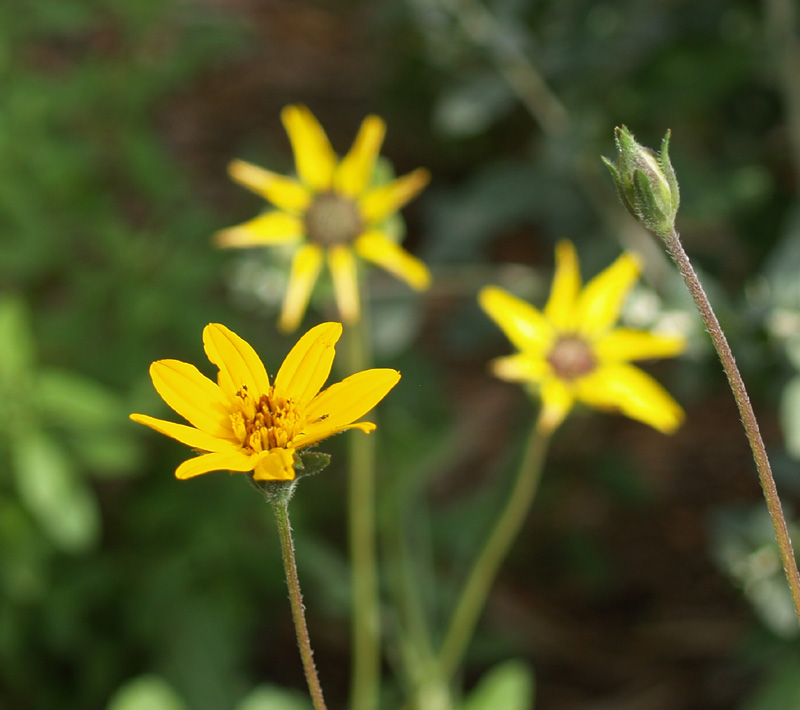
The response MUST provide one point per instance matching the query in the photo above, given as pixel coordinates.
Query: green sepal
(310, 463)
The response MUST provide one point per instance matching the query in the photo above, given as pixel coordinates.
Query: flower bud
(645, 181)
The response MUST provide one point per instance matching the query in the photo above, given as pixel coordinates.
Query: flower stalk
(507, 527)
(280, 506)
(749, 421)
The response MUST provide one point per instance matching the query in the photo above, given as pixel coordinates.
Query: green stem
(509, 523)
(749, 421)
(365, 681)
(281, 509)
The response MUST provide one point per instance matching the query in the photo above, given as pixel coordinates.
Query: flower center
(332, 219)
(571, 358)
(270, 422)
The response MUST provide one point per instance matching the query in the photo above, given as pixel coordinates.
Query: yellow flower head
(242, 423)
(330, 210)
(572, 351)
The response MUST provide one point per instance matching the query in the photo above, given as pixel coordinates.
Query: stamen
(571, 358)
(332, 219)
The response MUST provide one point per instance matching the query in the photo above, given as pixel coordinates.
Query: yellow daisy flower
(242, 423)
(330, 211)
(572, 352)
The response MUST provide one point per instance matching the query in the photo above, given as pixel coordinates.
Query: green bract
(645, 181)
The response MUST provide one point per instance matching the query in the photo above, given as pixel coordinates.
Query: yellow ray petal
(305, 269)
(628, 389)
(264, 230)
(343, 403)
(319, 432)
(188, 435)
(355, 171)
(277, 465)
(283, 192)
(557, 402)
(192, 395)
(313, 155)
(600, 302)
(308, 363)
(217, 461)
(342, 264)
(519, 368)
(560, 308)
(626, 344)
(379, 202)
(238, 364)
(523, 324)
(376, 247)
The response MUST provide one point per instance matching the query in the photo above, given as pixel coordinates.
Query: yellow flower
(572, 352)
(331, 210)
(242, 423)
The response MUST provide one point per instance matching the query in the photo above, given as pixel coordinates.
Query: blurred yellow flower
(331, 210)
(242, 423)
(572, 352)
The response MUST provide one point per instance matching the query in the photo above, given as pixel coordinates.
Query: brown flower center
(332, 219)
(571, 358)
(270, 422)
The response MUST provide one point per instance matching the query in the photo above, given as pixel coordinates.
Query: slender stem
(749, 421)
(365, 681)
(281, 509)
(476, 591)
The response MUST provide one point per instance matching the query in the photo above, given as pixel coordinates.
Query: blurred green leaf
(16, 341)
(77, 402)
(780, 690)
(148, 692)
(508, 686)
(60, 501)
(790, 416)
(22, 564)
(473, 105)
(273, 697)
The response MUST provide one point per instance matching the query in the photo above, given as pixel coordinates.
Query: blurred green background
(646, 577)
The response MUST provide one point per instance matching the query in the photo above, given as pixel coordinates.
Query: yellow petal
(308, 363)
(305, 269)
(379, 202)
(313, 155)
(319, 432)
(264, 230)
(283, 192)
(345, 282)
(557, 402)
(217, 461)
(627, 344)
(343, 403)
(628, 389)
(519, 368)
(601, 300)
(188, 435)
(560, 308)
(192, 395)
(523, 324)
(239, 366)
(355, 171)
(376, 247)
(277, 465)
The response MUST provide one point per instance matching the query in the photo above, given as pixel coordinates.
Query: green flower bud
(645, 181)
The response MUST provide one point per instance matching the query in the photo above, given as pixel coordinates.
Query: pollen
(269, 422)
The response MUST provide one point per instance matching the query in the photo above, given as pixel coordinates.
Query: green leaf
(508, 686)
(61, 502)
(147, 692)
(16, 340)
(273, 697)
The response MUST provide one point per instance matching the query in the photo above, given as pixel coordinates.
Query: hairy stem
(508, 524)
(281, 509)
(749, 421)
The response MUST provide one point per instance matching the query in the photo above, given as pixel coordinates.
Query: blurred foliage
(121, 587)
